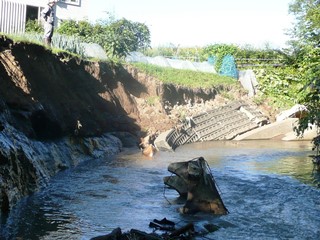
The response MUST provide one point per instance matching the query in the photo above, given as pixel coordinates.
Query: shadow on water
(268, 187)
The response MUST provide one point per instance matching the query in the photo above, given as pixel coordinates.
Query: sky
(198, 23)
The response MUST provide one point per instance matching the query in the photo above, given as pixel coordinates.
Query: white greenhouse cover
(173, 63)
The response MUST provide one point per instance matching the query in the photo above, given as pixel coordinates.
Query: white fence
(14, 13)
(12, 17)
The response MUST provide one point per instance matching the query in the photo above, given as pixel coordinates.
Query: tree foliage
(218, 51)
(310, 93)
(280, 86)
(117, 37)
(33, 26)
(306, 48)
(123, 36)
(307, 26)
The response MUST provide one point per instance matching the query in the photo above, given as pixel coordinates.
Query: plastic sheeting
(247, 78)
(228, 67)
(173, 63)
(248, 81)
(94, 50)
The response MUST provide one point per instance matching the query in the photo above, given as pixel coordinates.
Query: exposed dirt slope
(45, 97)
(48, 94)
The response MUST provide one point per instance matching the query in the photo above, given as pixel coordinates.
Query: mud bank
(26, 165)
(57, 110)
(54, 114)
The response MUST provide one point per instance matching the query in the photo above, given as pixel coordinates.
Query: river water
(268, 187)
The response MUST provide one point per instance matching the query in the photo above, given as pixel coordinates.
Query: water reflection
(35, 217)
(268, 187)
(257, 157)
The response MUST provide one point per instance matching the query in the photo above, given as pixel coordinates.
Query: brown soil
(45, 95)
(48, 96)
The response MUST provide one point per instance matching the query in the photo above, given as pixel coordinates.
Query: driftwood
(116, 234)
(147, 146)
(170, 232)
(185, 232)
(164, 224)
(149, 151)
(194, 179)
(169, 226)
(187, 228)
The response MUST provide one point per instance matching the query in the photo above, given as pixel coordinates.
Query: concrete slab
(161, 141)
(308, 135)
(270, 131)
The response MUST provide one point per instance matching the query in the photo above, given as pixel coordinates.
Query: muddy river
(269, 188)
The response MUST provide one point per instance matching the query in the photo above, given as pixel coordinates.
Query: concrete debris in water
(147, 146)
(186, 231)
(194, 181)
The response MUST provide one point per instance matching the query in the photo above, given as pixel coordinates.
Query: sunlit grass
(59, 42)
(182, 77)
(187, 78)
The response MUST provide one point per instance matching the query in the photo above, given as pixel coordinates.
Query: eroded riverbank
(50, 104)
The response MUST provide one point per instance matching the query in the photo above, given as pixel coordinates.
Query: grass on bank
(181, 77)
(277, 86)
(187, 78)
(60, 43)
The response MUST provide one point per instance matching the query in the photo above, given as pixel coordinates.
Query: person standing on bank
(48, 17)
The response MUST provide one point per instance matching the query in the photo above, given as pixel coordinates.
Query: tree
(306, 30)
(123, 36)
(307, 27)
(117, 37)
(306, 46)
(81, 29)
(218, 52)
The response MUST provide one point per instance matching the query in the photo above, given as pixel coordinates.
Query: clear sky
(191, 23)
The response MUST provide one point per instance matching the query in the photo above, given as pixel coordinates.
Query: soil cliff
(57, 110)
(48, 94)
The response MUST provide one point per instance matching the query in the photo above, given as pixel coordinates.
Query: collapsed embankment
(57, 110)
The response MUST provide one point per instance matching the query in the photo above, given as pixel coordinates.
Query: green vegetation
(306, 58)
(243, 55)
(60, 43)
(152, 100)
(279, 86)
(117, 37)
(187, 78)
(34, 26)
(294, 80)
(219, 51)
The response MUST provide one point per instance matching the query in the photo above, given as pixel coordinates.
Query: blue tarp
(228, 66)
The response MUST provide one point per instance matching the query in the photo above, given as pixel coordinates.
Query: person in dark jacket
(48, 17)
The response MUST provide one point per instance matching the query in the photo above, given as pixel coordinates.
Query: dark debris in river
(167, 229)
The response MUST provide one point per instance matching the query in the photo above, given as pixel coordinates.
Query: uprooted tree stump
(195, 181)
